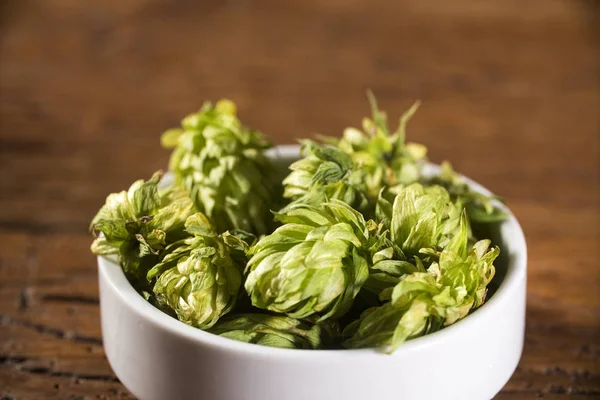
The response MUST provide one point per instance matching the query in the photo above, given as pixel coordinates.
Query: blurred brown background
(510, 90)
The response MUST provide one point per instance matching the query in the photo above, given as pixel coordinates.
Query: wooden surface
(510, 92)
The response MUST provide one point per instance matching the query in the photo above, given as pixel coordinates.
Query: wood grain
(510, 90)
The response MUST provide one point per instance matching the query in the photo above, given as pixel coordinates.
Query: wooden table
(510, 92)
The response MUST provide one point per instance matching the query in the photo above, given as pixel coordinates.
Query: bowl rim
(113, 275)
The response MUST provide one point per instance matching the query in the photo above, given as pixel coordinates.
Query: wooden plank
(510, 94)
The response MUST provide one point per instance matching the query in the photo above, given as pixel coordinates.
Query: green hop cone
(421, 220)
(137, 224)
(420, 217)
(425, 301)
(479, 206)
(222, 164)
(274, 331)
(325, 172)
(385, 156)
(200, 277)
(314, 264)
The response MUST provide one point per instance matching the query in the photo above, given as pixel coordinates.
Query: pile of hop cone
(354, 248)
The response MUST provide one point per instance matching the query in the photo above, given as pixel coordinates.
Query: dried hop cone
(385, 156)
(223, 166)
(325, 172)
(427, 300)
(137, 224)
(420, 217)
(274, 331)
(200, 277)
(419, 221)
(315, 263)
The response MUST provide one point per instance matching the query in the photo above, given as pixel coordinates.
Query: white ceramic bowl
(159, 358)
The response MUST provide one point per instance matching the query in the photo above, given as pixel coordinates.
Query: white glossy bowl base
(159, 358)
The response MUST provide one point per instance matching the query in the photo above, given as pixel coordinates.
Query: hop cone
(222, 164)
(427, 300)
(325, 173)
(420, 220)
(137, 224)
(385, 156)
(315, 263)
(274, 331)
(421, 217)
(200, 276)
